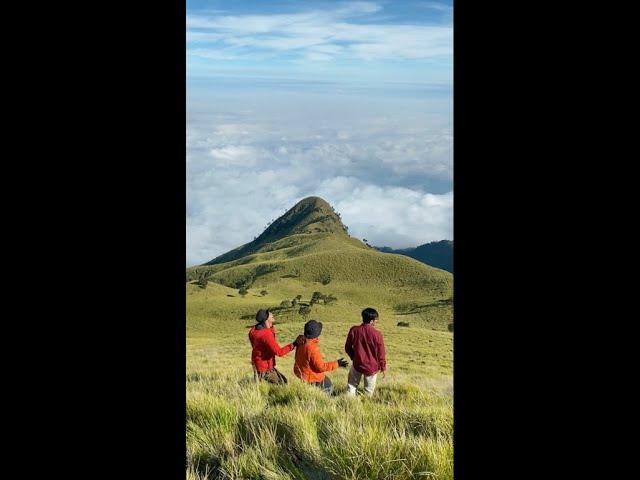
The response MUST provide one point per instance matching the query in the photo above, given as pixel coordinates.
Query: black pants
(325, 385)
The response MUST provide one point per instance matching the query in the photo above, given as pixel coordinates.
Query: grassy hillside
(237, 429)
(323, 256)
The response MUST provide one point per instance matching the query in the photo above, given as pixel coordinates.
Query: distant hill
(310, 243)
(437, 254)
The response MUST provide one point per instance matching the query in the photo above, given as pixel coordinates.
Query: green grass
(238, 429)
(308, 257)
(294, 431)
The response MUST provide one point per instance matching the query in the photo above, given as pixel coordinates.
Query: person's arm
(276, 349)
(380, 353)
(318, 365)
(348, 346)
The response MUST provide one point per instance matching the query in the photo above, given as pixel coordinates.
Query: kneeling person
(309, 365)
(264, 349)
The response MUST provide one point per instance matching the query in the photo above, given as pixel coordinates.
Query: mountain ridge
(437, 254)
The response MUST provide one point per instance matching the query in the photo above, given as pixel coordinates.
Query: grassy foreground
(237, 429)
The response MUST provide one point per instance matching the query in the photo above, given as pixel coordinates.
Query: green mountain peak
(310, 215)
(309, 244)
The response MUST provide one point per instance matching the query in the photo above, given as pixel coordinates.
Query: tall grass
(240, 429)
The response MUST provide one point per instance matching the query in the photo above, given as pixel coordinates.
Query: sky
(349, 101)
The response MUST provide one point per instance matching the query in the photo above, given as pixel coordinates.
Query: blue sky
(365, 43)
(351, 101)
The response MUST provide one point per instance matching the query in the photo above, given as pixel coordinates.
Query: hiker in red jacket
(365, 347)
(264, 349)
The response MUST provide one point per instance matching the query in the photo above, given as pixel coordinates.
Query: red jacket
(365, 347)
(265, 348)
(309, 365)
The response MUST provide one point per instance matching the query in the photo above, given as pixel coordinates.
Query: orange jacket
(309, 365)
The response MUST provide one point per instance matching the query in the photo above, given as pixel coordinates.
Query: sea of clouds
(384, 162)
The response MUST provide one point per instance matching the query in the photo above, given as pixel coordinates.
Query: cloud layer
(389, 176)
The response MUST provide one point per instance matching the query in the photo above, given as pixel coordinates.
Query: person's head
(369, 315)
(264, 317)
(312, 329)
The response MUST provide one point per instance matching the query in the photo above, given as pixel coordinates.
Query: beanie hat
(262, 315)
(312, 329)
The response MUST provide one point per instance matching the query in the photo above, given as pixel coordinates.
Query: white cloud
(390, 216)
(195, 37)
(318, 57)
(212, 54)
(232, 155)
(437, 6)
(318, 35)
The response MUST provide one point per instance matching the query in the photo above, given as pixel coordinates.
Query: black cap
(262, 315)
(312, 329)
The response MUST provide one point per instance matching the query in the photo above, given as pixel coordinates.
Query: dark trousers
(271, 376)
(325, 385)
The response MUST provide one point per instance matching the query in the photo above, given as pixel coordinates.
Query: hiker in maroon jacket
(264, 349)
(365, 347)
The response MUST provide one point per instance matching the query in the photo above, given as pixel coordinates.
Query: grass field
(237, 429)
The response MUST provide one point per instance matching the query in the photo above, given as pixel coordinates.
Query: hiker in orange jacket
(309, 366)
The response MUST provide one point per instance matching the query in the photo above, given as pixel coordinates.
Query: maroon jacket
(265, 348)
(365, 347)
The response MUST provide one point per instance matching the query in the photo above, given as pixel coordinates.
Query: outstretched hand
(299, 341)
(342, 363)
